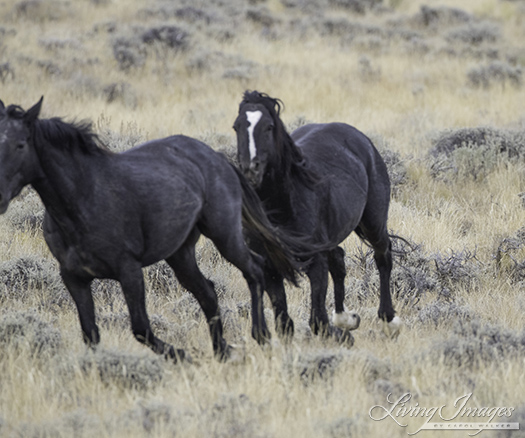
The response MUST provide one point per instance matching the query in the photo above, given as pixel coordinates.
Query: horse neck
(66, 183)
(275, 191)
(282, 178)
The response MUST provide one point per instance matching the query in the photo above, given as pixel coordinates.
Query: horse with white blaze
(324, 181)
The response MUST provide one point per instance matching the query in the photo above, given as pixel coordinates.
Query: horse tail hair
(391, 236)
(279, 248)
(395, 236)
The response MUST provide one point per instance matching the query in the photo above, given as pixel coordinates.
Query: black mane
(290, 157)
(77, 135)
(71, 136)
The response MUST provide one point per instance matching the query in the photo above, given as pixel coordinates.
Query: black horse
(108, 215)
(325, 181)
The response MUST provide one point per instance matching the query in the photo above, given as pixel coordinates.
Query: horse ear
(2, 106)
(32, 113)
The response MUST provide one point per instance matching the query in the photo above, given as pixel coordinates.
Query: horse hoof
(183, 357)
(262, 337)
(343, 336)
(178, 356)
(285, 330)
(234, 355)
(237, 355)
(346, 320)
(392, 329)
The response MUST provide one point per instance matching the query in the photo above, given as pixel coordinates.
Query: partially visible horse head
(257, 127)
(265, 150)
(18, 160)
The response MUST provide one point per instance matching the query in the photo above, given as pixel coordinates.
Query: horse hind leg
(233, 248)
(251, 265)
(274, 284)
(341, 318)
(373, 229)
(132, 283)
(191, 278)
(383, 258)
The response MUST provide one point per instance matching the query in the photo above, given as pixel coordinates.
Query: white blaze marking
(253, 118)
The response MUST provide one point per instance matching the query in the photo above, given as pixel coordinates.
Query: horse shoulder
(73, 251)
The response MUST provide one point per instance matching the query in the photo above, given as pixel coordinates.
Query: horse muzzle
(254, 177)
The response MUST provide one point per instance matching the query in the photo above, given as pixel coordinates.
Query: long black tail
(287, 253)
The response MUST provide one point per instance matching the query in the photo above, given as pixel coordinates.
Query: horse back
(331, 143)
(176, 159)
(209, 176)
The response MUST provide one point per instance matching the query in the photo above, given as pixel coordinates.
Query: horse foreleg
(80, 290)
(132, 283)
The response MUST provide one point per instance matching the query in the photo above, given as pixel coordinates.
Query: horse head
(18, 158)
(257, 126)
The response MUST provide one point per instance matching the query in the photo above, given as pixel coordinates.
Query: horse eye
(20, 145)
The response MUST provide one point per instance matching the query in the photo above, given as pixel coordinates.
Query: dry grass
(403, 82)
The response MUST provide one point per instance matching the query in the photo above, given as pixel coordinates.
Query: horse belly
(342, 203)
(166, 230)
(345, 215)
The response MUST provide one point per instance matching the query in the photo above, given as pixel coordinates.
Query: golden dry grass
(391, 89)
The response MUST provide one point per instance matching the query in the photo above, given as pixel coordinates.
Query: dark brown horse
(108, 215)
(324, 181)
